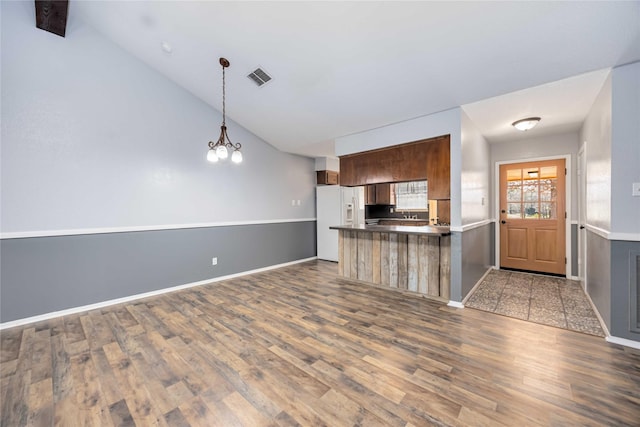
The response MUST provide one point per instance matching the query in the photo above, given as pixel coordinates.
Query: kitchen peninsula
(406, 257)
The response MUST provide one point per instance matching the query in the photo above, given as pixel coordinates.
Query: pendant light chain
(224, 98)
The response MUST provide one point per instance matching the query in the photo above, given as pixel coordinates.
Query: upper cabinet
(327, 178)
(380, 194)
(415, 161)
(439, 171)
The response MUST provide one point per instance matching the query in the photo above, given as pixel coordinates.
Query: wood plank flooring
(300, 346)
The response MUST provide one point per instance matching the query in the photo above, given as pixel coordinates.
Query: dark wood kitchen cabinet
(415, 161)
(380, 194)
(370, 194)
(327, 178)
(439, 171)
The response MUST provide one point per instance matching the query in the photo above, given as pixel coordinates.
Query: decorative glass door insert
(532, 193)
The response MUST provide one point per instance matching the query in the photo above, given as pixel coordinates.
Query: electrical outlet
(214, 260)
(635, 189)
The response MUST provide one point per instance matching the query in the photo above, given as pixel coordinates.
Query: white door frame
(567, 204)
(582, 216)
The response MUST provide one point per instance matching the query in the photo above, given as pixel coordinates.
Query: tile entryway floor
(542, 299)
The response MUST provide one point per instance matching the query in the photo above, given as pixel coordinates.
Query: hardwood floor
(300, 346)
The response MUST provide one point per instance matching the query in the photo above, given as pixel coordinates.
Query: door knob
(582, 227)
(503, 211)
(503, 222)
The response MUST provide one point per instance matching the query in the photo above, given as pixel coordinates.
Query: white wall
(442, 123)
(475, 173)
(536, 147)
(625, 148)
(596, 136)
(92, 137)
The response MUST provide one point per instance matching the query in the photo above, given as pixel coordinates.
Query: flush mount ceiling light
(526, 124)
(219, 150)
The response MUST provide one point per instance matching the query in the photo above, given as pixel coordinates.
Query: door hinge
(565, 260)
(565, 215)
(565, 171)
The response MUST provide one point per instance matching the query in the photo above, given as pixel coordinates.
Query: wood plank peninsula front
(409, 258)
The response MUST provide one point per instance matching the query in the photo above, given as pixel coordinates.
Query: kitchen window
(411, 196)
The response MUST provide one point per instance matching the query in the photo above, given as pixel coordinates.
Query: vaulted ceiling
(344, 67)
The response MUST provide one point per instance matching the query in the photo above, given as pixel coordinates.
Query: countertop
(423, 230)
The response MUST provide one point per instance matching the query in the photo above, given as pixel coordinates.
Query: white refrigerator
(336, 205)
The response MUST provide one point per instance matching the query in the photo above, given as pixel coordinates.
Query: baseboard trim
(623, 341)
(455, 304)
(466, 298)
(89, 307)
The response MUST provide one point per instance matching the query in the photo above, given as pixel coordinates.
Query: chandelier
(219, 150)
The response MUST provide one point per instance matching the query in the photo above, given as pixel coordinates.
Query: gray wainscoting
(625, 307)
(46, 274)
(477, 255)
(599, 274)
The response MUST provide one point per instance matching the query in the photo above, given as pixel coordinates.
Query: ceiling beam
(52, 16)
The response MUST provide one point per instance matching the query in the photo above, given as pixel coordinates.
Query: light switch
(635, 189)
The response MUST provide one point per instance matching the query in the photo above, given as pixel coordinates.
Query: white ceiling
(343, 67)
(562, 106)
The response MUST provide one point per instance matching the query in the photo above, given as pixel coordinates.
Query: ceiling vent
(259, 76)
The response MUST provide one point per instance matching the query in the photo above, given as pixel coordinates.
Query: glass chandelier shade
(212, 156)
(236, 157)
(526, 124)
(219, 150)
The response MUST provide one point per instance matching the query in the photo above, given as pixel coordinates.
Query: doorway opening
(533, 216)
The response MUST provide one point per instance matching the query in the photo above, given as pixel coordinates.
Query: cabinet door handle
(503, 221)
(503, 211)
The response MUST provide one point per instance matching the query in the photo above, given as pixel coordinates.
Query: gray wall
(475, 172)
(47, 274)
(624, 280)
(477, 244)
(595, 135)
(612, 281)
(625, 148)
(599, 275)
(477, 253)
(94, 139)
(625, 208)
(544, 146)
(610, 135)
